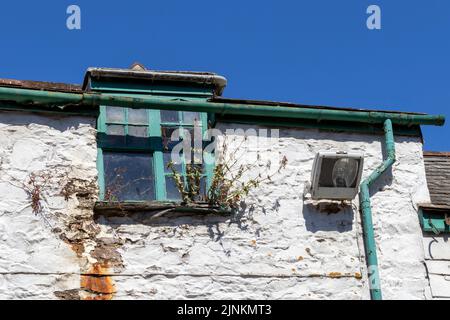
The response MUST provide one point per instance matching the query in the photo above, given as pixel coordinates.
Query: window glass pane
(115, 130)
(171, 189)
(137, 131)
(168, 158)
(115, 115)
(166, 133)
(169, 116)
(128, 176)
(137, 116)
(202, 194)
(191, 118)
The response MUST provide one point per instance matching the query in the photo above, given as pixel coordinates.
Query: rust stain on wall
(93, 244)
(335, 275)
(98, 283)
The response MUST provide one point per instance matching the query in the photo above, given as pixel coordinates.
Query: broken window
(129, 176)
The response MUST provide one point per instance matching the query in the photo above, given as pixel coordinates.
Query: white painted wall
(280, 247)
(34, 261)
(284, 247)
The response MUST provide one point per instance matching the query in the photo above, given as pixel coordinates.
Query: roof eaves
(296, 105)
(434, 207)
(436, 154)
(41, 85)
(203, 78)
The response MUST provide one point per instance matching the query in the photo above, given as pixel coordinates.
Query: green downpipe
(60, 99)
(364, 197)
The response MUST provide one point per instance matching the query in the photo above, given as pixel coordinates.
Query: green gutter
(364, 197)
(95, 99)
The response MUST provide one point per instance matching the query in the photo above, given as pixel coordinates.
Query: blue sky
(313, 52)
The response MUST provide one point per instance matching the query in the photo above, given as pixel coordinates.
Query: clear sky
(312, 52)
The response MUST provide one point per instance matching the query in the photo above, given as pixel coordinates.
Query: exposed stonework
(52, 216)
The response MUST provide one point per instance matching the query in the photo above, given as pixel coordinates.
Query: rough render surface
(281, 245)
(43, 252)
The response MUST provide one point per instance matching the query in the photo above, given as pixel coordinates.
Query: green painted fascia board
(148, 102)
(158, 89)
(333, 126)
(214, 118)
(304, 116)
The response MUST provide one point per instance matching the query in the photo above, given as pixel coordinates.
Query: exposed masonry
(59, 250)
(281, 245)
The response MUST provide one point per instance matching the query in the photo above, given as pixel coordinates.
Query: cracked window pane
(128, 176)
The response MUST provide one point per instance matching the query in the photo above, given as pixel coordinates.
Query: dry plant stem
(226, 190)
(34, 187)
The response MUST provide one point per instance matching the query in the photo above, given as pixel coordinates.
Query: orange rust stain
(335, 274)
(78, 249)
(300, 258)
(97, 282)
(253, 242)
(358, 275)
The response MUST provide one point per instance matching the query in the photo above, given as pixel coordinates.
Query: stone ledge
(155, 209)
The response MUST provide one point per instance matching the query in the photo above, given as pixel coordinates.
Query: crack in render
(174, 275)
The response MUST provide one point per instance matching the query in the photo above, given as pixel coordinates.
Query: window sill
(155, 209)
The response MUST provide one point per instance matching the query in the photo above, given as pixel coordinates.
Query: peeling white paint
(280, 247)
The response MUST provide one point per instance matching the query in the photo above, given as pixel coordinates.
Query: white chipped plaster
(34, 261)
(280, 247)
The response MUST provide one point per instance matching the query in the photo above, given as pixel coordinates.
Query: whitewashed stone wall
(34, 261)
(282, 246)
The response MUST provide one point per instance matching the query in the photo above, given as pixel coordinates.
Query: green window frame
(145, 137)
(435, 221)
